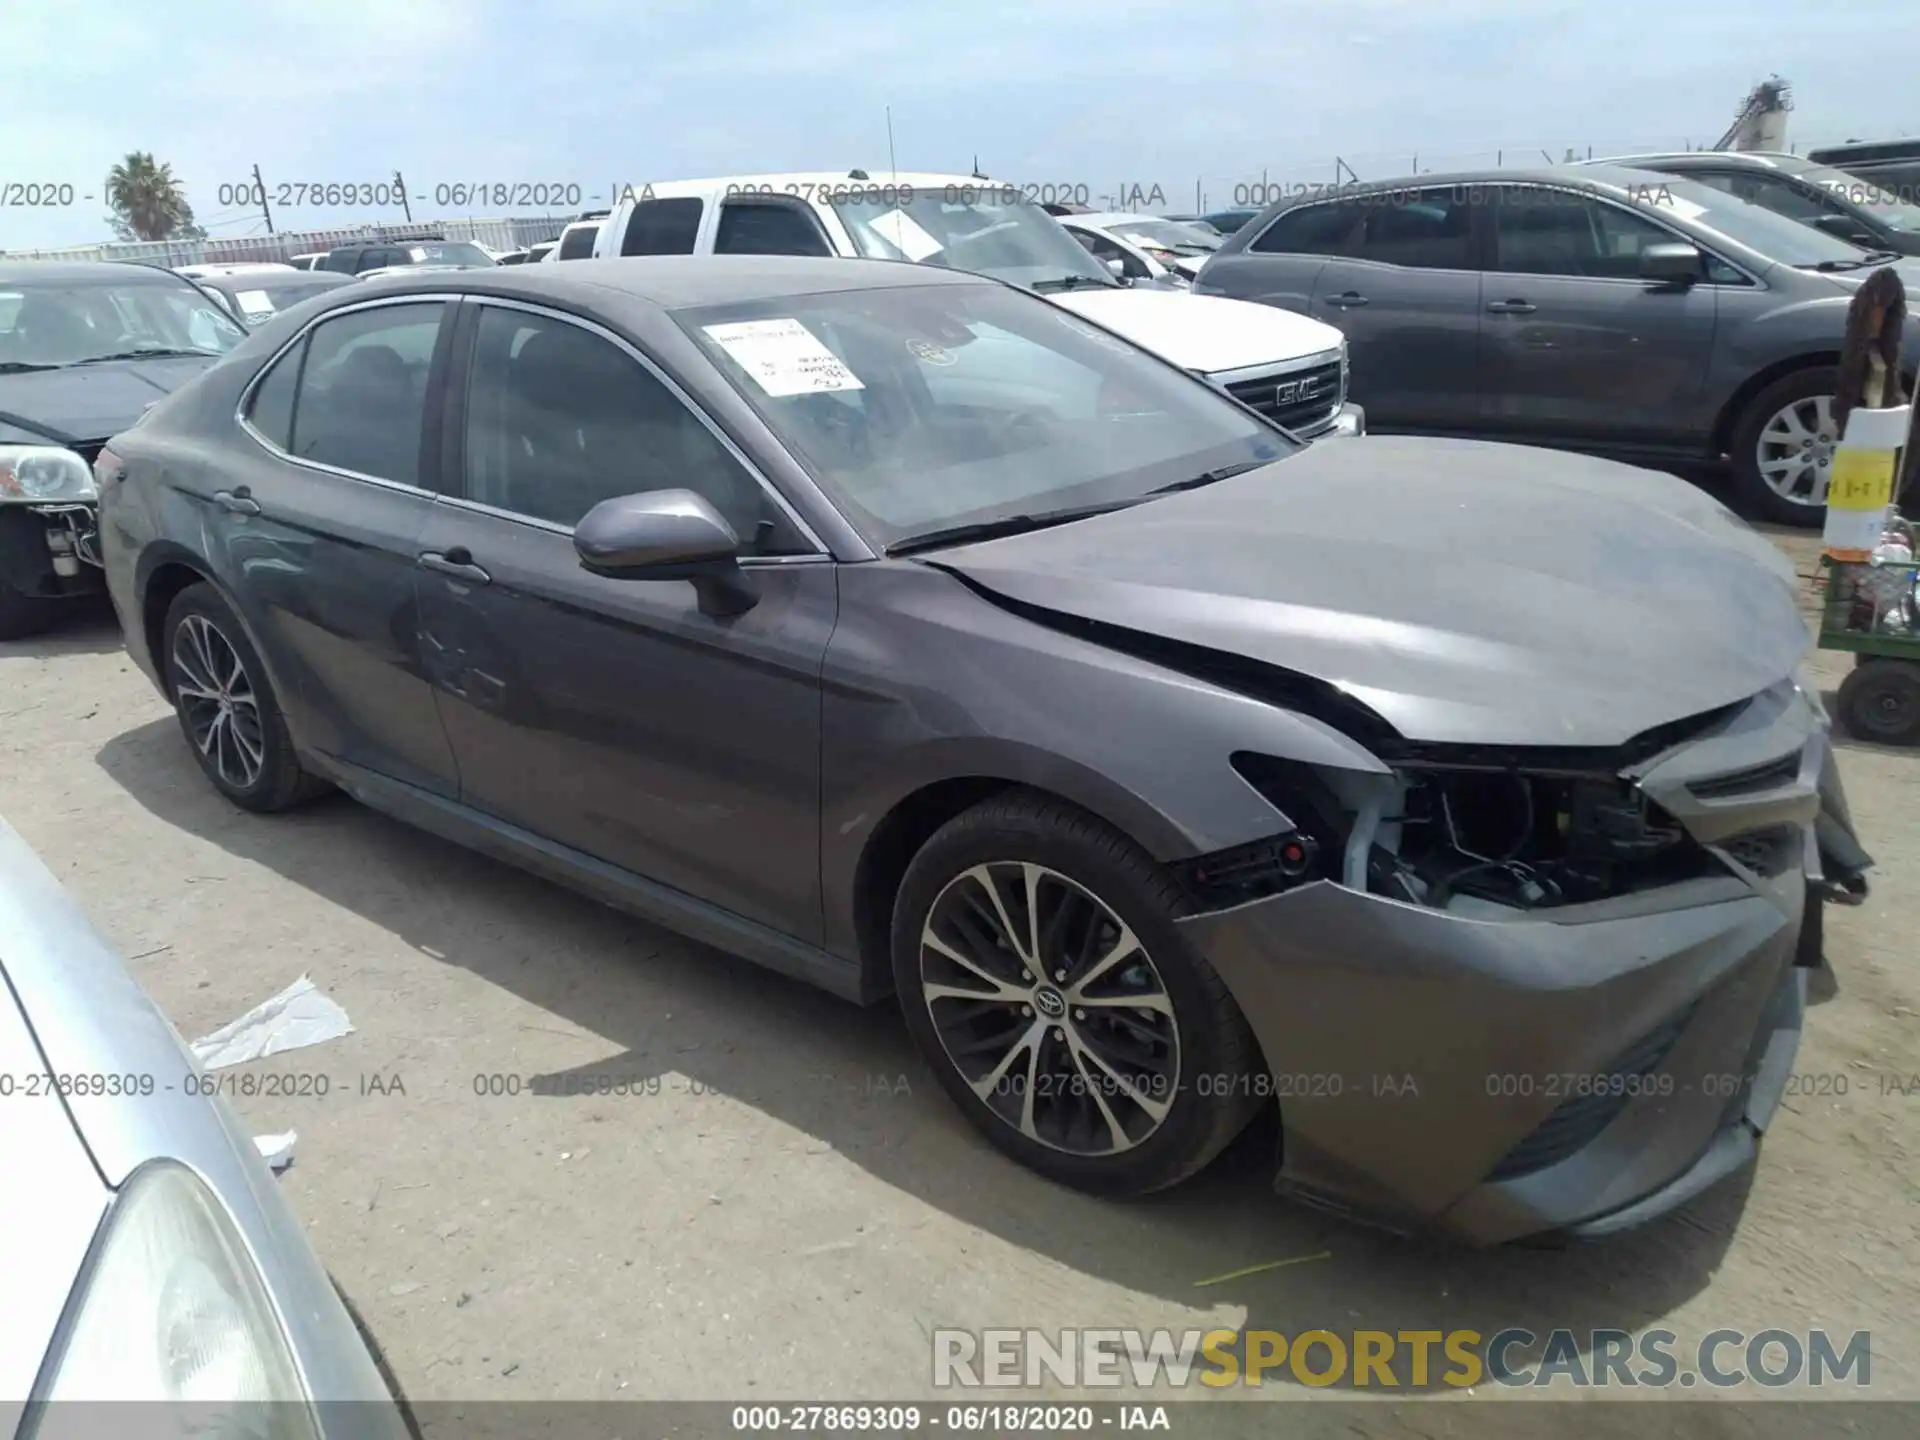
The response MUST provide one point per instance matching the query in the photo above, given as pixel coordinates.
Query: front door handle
(1511, 307)
(1351, 300)
(239, 502)
(458, 563)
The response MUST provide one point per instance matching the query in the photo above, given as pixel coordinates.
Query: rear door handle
(457, 562)
(1351, 300)
(1511, 307)
(239, 502)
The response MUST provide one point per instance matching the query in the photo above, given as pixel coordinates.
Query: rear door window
(1421, 229)
(577, 243)
(1312, 230)
(768, 227)
(662, 227)
(361, 400)
(1557, 232)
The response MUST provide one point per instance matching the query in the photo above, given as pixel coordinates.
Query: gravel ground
(788, 1206)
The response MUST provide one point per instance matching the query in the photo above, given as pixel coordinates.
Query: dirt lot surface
(788, 1206)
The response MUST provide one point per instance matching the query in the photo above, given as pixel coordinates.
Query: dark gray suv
(1611, 310)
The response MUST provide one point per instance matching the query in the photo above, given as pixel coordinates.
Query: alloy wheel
(1795, 448)
(217, 701)
(1050, 1008)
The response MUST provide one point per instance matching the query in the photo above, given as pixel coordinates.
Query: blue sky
(1097, 92)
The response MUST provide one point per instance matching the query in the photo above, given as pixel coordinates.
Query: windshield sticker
(784, 357)
(929, 353)
(255, 302)
(905, 234)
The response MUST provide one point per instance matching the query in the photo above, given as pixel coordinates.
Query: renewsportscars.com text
(1409, 1359)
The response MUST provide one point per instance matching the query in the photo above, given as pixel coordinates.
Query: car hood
(86, 403)
(52, 1197)
(1207, 333)
(1466, 592)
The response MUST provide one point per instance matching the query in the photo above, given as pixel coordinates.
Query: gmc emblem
(1293, 391)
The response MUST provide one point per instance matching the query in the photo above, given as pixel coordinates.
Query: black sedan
(84, 350)
(910, 635)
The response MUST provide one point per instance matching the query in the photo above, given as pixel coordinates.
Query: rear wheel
(226, 706)
(1044, 979)
(1782, 448)
(1880, 701)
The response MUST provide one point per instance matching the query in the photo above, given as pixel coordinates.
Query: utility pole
(401, 185)
(260, 189)
(892, 169)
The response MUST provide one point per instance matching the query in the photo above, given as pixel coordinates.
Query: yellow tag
(1861, 479)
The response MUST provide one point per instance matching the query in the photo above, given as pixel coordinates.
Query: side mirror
(667, 535)
(1117, 269)
(1843, 227)
(1673, 264)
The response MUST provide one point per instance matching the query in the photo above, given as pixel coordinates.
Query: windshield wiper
(1070, 282)
(21, 367)
(1829, 267)
(1209, 477)
(150, 352)
(1005, 525)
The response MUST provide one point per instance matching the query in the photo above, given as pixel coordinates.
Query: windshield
(1765, 231)
(922, 408)
(448, 252)
(1168, 235)
(1889, 209)
(67, 323)
(982, 228)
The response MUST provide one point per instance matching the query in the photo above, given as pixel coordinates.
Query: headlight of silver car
(44, 475)
(174, 1310)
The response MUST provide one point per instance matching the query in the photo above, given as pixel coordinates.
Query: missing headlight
(1527, 841)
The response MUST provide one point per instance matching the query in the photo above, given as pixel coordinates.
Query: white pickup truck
(1290, 368)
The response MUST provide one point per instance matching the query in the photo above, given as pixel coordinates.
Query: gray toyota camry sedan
(912, 636)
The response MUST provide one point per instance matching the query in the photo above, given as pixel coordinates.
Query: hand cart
(1873, 609)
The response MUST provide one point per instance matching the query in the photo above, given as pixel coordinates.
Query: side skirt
(609, 884)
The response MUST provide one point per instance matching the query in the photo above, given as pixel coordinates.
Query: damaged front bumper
(1578, 1068)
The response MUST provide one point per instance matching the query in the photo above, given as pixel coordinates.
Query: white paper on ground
(298, 1016)
(784, 357)
(906, 234)
(276, 1150)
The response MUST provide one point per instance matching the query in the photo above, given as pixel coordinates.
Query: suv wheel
(226, 706)
(1044, 979)
(1782, 448)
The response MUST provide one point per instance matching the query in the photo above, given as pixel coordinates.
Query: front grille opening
(1579, 1120)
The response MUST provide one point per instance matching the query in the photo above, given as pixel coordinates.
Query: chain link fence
(504, 233)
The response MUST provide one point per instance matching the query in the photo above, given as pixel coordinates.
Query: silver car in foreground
(148, 1254)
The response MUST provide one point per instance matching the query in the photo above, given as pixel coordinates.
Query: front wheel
(1782, 448)
(1043, 978)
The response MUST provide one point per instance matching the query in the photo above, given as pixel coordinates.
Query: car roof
(1754, 159)
(675, 282)
(1596, 175)
(1107, 217)
(87, 272)
(277, 279)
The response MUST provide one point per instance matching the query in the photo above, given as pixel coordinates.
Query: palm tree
(147, 202)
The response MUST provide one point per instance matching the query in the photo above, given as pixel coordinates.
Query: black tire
(257, 768)
(1758, 498)
(24, 615)
(1880, 701)
(378, 1355)
(1217, 1058)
